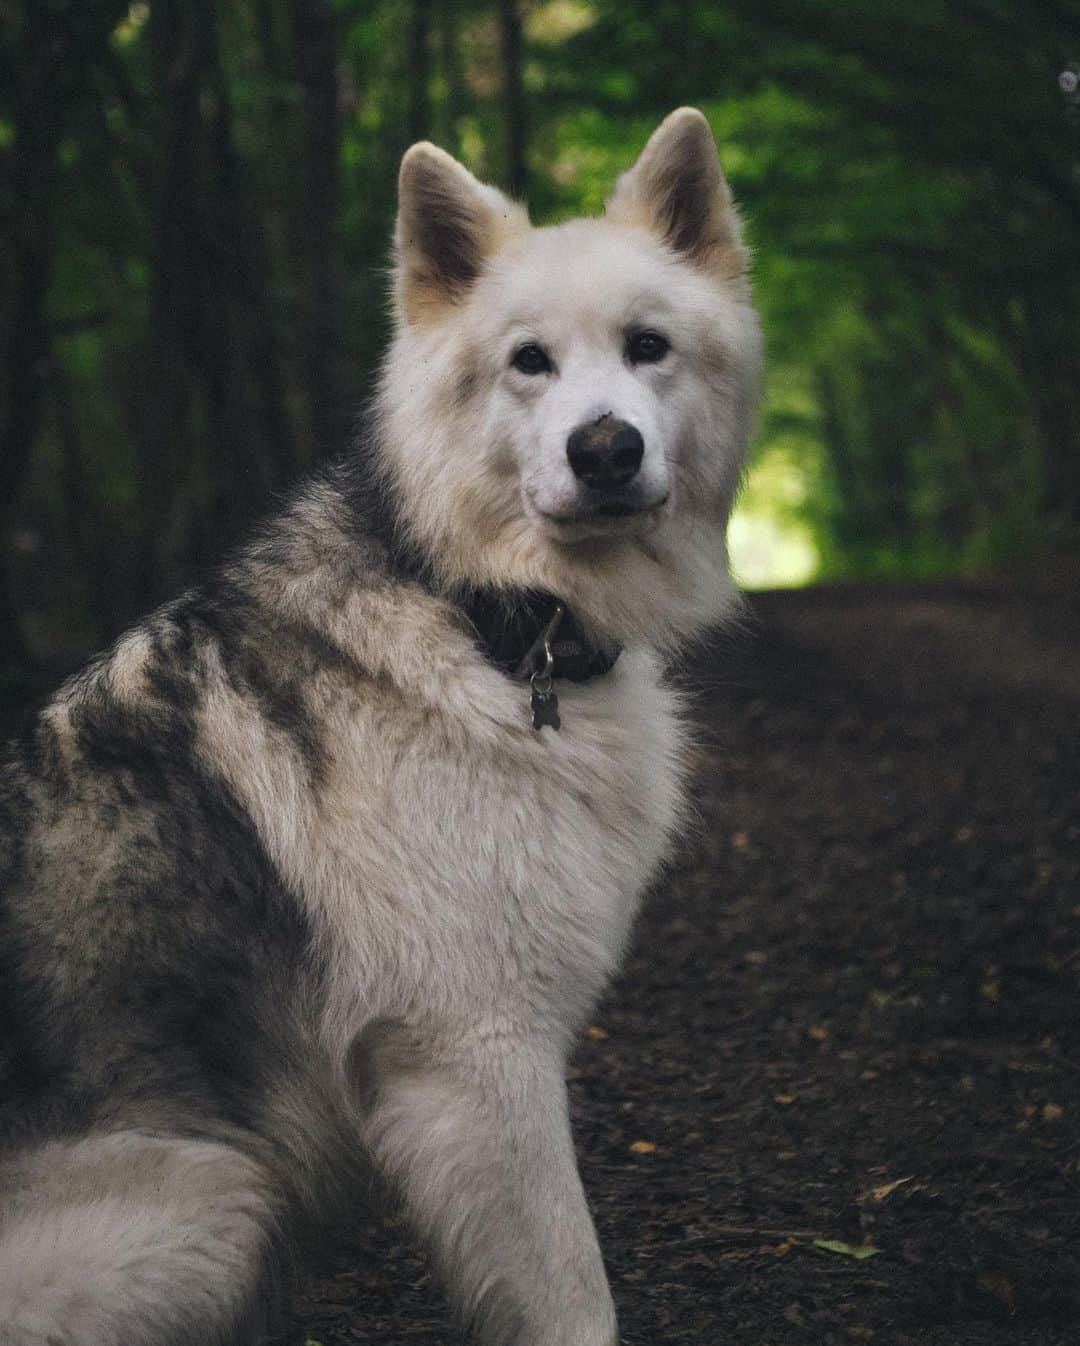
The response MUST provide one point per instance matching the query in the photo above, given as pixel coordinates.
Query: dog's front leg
(477, 1139)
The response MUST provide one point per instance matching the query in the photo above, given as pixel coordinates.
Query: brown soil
(850, 1011)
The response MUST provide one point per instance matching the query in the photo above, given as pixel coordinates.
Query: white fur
(476, 893)
(130, 1238)
(486, 478)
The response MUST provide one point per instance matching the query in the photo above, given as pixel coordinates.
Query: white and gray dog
(328, 860)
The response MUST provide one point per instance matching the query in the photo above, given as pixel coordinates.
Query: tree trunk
(38, 123)
(176, 300)
(1042, 349)
(237, 254)
(315, 34)
(516, 114)
(450, 56)
(418, 124)
(84, 518)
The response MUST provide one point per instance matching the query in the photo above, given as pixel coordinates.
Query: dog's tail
(136, 1238)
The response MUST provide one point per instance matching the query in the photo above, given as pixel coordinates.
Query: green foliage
(912, 184)
(207, 192)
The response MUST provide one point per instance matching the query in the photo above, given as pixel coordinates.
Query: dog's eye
(531, 359)
(646, 348)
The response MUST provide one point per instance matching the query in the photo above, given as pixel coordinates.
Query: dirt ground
(849, 1012)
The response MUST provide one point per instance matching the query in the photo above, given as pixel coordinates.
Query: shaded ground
(850, 1012)
(850, 1009)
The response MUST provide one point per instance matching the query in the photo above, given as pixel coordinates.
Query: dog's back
(155, 984)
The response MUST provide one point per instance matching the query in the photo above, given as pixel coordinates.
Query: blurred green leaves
(208, 192)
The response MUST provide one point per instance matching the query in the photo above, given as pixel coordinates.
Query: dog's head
(568, 408)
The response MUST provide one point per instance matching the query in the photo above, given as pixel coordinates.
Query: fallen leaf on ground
(887, 1188)
(998, 1284)
(860, 1252)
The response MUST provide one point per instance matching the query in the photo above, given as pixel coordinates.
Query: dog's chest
(453, 860)
(501, 868)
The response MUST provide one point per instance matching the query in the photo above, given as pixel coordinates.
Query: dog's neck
(509, 622)
(512, 626)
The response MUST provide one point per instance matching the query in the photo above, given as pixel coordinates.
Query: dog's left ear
(448, 225)
(678, 190)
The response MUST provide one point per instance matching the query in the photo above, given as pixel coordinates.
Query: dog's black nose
(605, 453)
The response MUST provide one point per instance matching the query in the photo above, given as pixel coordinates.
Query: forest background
(196, 198)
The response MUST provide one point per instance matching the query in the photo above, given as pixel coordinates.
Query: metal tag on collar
(545, 704)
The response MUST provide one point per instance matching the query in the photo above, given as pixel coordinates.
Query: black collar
(531, 635)
(511, 626)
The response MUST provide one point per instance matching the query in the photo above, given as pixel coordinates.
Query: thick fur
(288, 882)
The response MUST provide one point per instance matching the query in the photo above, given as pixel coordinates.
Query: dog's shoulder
(314, 744)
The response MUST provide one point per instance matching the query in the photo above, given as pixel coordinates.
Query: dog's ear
(678, 190)
(448, 224)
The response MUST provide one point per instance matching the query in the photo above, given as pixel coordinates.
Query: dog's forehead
(584, 266)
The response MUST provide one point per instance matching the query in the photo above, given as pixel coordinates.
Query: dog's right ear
(448, 224)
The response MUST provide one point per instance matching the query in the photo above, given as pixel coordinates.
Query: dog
(319, 870)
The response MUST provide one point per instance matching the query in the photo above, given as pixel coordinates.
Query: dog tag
(545, 704)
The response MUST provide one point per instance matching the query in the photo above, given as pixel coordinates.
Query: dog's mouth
(603, 518)
(619, 509)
